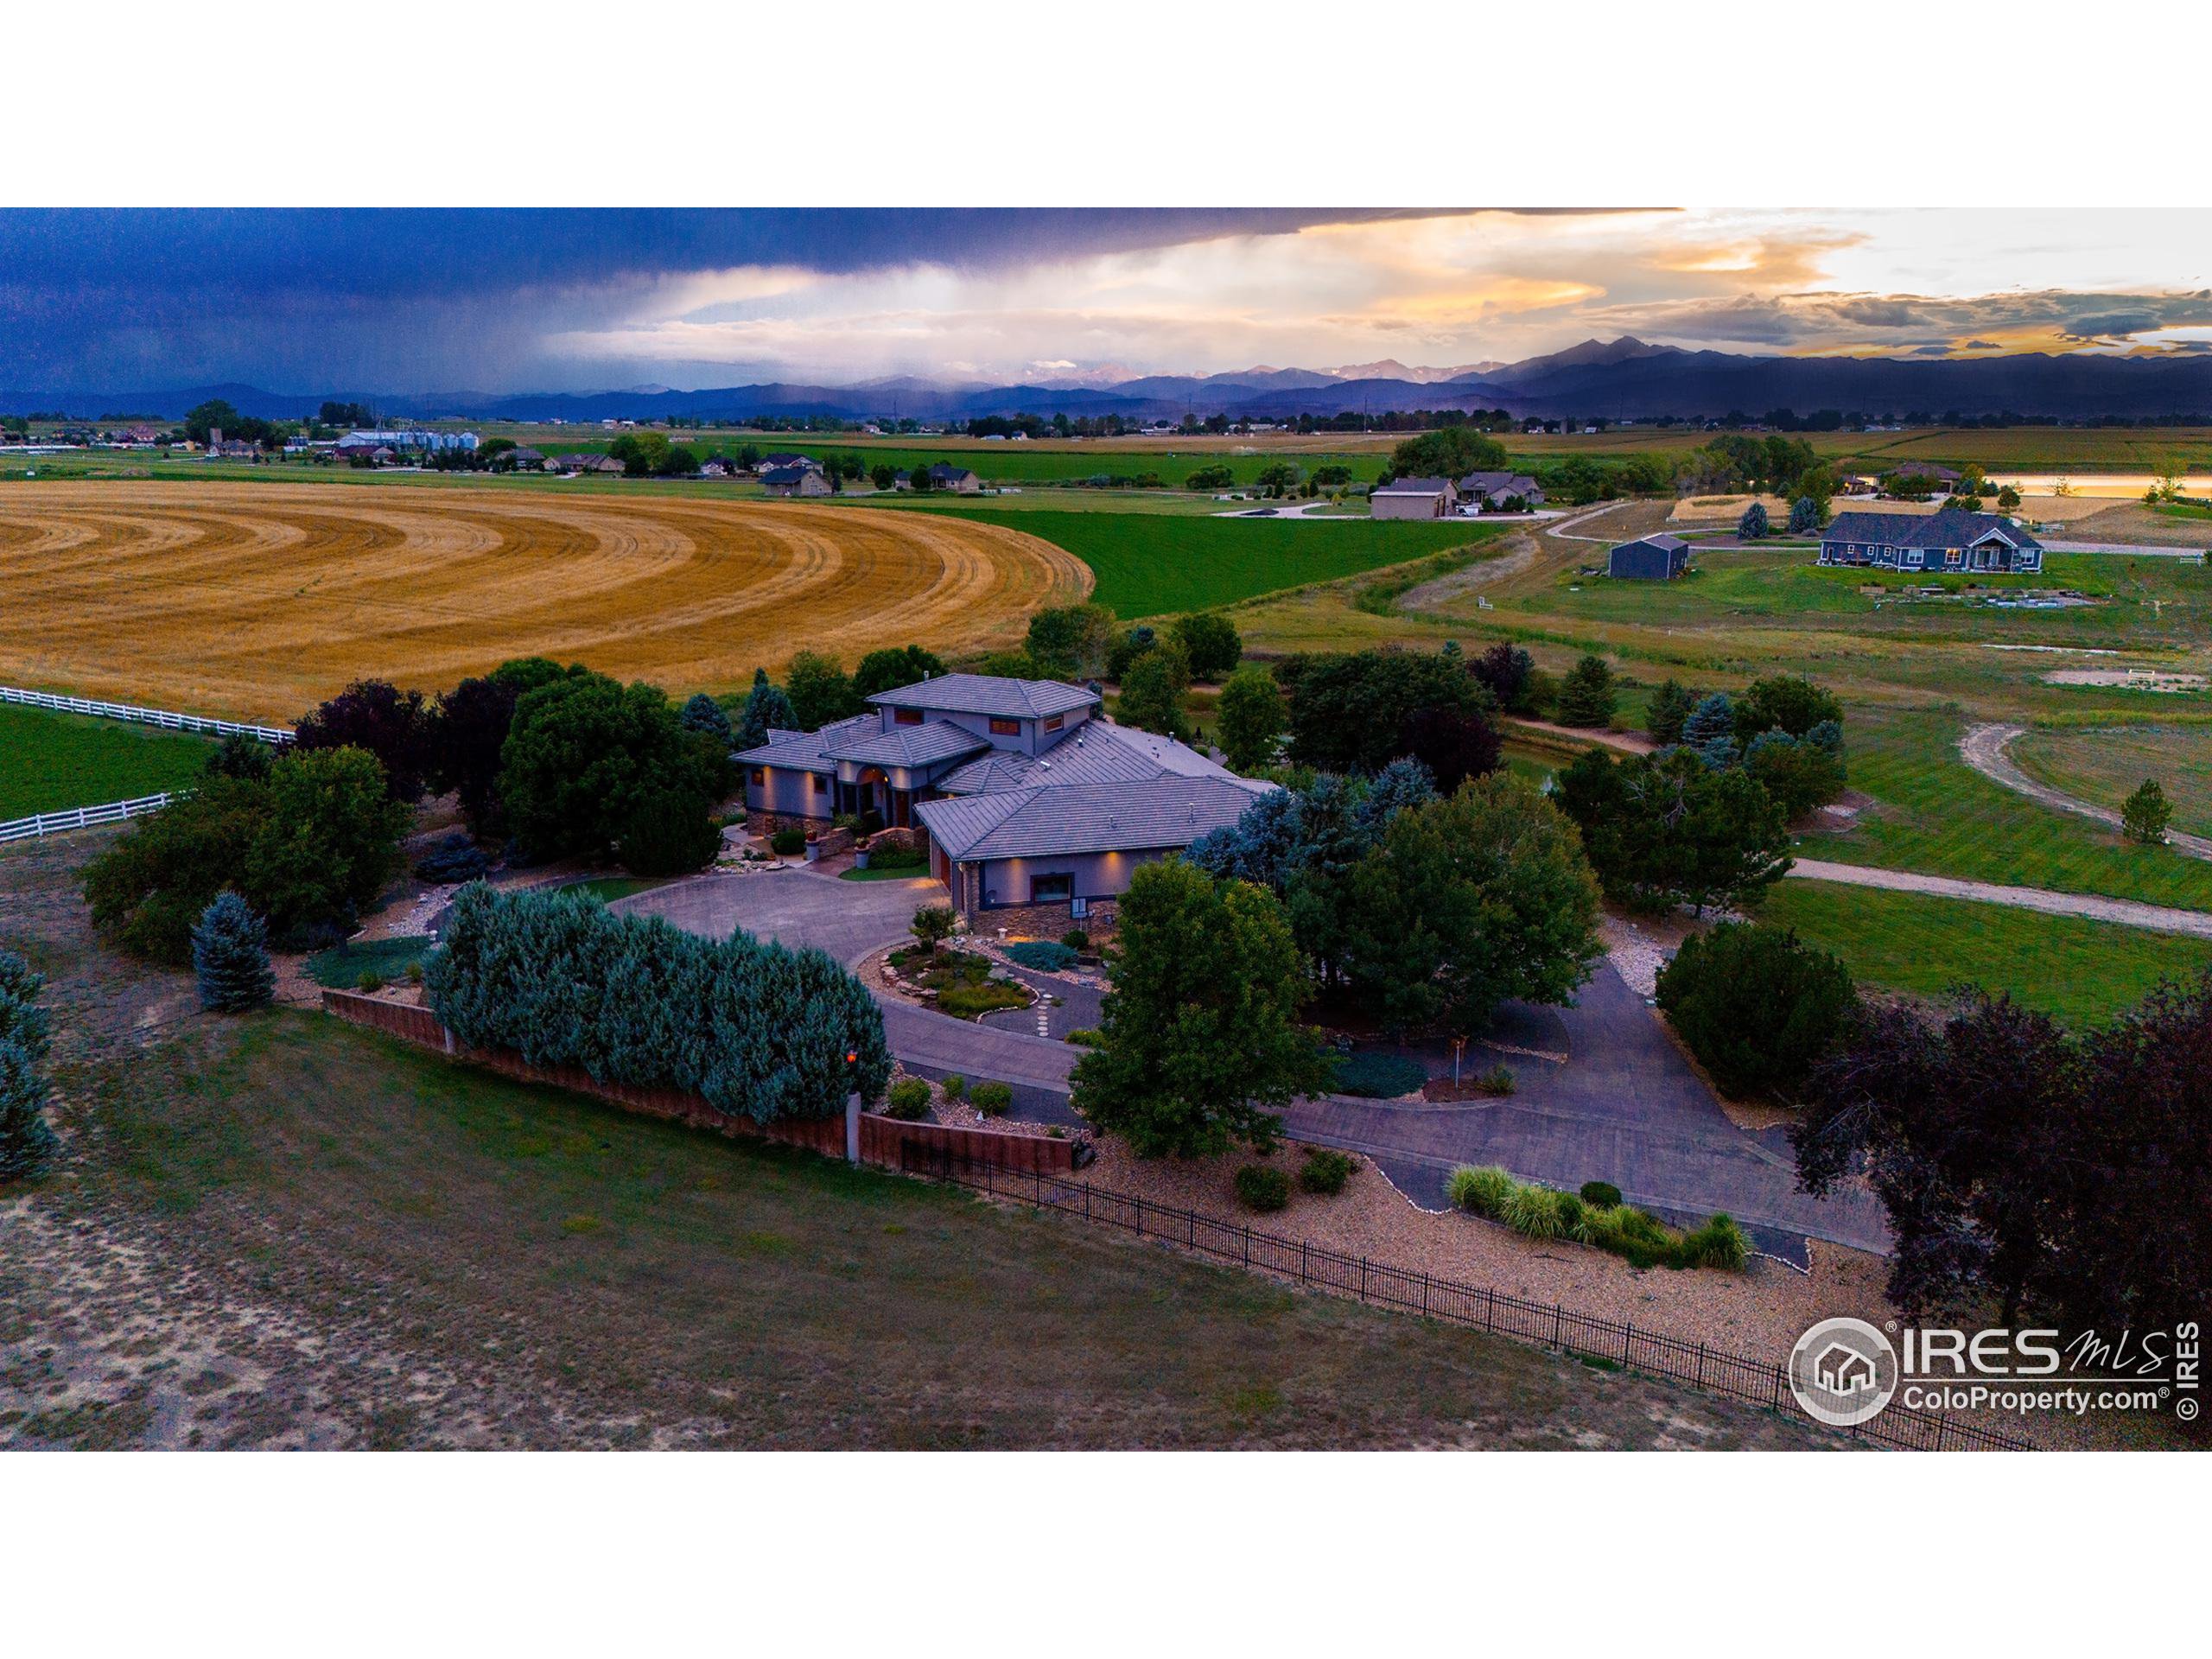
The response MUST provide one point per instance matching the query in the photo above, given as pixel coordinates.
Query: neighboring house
(1950, 540)
(959, 479)
(524, 459)
(1927, 473)
(1493, 490)
(785, 458)
(1656, 558)
(1036, 811)
(580, 462)
(714, 466)
(1414, 498)
(795, 481)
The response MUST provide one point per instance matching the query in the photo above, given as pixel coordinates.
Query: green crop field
(1151, 565)
(50, 761)
(2078, 970)
(2106, 765)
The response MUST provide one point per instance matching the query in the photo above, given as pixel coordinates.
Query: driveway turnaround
(848, 919)
(1622, 1106)
(1985, 748)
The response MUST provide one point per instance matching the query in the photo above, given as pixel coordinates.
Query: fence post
(1362, 1278)
(1304, 1275)
(1700, 1364)
(1628, 1335)
(1489, 1310)
(1559, 1316)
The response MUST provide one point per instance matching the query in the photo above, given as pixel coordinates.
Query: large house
(795, 481)
(1036, 810)
(1493, 490)
(959, 479)
(1414, 498)
(1950, 540)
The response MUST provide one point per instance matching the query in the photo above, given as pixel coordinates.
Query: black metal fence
(1480, 1308)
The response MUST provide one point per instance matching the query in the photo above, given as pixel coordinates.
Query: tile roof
(1952, 527)
(986, 694)
(1097, 751)
(1039, 823)
(808, 751)
(1496, 484)
(1415, 486)
(907, 746)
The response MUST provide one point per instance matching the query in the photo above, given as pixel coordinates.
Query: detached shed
(1656, 558)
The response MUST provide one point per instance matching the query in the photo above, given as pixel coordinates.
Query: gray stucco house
(1950, 540)
(1030, 802)
(1493, 490)
(1414, 498)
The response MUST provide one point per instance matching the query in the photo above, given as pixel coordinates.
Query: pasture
(50, 761)
(2078, 970)
(257, 602)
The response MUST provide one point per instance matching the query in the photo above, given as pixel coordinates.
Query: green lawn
(2105, 764)
(2079, 971)
(1935, 814)
(1154, 565)
(52, 761)
(342, 967)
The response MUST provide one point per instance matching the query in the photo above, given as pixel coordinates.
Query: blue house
(1953, 539)
(1656, 558)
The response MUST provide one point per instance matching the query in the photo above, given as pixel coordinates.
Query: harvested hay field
(255, 602)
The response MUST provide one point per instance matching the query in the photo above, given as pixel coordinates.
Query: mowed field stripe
(256, 600)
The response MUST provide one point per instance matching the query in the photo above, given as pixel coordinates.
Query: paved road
(1985, 748)
(2158, 918)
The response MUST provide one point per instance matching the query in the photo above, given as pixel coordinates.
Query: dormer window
(1055, 722)
(905, 716)
(1000, 728)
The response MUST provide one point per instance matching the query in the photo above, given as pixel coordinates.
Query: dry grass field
(256, 601)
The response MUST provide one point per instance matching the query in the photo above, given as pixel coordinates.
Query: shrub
(229, 957)
(1601, 1195)
(1087, 1037)
(1379, 1077)
(27, 1140)
(1262, 1189)
(1756, 1006)
(670, 833)
(972, 1002)
(933, 926)
(909, 1100)
(1498, 1081)
(955, 1086)
(1639, 1238)
(788, 842)
(1537, 1212)
(454, 859)
(1483, 1191)
(1045, 955)
(756, 1028)
(1076, 939)
(1326, 1171)
(370, 983)
(1720, 1243)
(992, 1099)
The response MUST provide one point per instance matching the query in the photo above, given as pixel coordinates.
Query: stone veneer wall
(1044, 921)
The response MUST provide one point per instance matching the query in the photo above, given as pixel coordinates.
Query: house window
(1056, 722)
(1052, 889)
(905, 716)
(760, 776)
(821, 783)
(1004, 727)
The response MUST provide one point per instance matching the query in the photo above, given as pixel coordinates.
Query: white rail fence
(80, 817)
(164, 717)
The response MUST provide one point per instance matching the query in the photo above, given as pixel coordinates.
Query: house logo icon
(1843, 1372)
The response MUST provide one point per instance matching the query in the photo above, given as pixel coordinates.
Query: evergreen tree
(702, 714)
(2145, 815)
(26, 1141)
(765, 706)
(1753, 525)
(1586, 696)
(1804, 516)
(1713, 717)
(1669, 707)
(229, 957)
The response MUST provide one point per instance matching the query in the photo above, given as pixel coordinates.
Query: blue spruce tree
(229, 957)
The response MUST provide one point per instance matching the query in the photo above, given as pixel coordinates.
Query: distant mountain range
(1619, 379)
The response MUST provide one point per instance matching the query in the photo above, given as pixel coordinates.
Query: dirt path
(2158, 919)
(1485, 573)
(1983, 747)
(1627, 742)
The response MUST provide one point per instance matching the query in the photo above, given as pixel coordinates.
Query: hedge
(1048, 956)
(1379, 1077)
(759, 1030)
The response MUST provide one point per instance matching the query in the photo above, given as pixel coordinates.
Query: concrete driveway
(848, 919)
